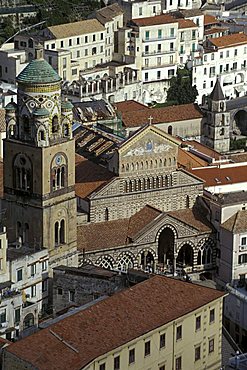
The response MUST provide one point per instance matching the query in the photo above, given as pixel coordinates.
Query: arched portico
(185, 256)
(166, 247)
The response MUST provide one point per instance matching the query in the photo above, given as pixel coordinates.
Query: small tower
(216, 130)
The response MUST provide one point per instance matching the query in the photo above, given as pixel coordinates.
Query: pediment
(152, 230)
(147, 142)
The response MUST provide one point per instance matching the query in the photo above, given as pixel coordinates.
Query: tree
(181, 90)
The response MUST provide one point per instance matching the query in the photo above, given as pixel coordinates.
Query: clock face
(58, 159)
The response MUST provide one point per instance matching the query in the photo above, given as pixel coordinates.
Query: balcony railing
(162, 38)
(158, 52)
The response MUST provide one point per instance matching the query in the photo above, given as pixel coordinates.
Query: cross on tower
(150, 120)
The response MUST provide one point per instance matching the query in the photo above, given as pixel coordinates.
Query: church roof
(237, 223)
(38, 71)
(217, 93)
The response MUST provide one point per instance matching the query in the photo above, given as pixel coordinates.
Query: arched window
(55, 124)
(56, 233)
(28, 321)
(148, 183)
(199, 258)
(22, 173)
(139, 185)
(166, 181)
(11, 130)
(62, 232)
(170, 130)
(26, 233)
(66, 130)
(58, 172)
(106, 214)
(18, 232)
(41, 135)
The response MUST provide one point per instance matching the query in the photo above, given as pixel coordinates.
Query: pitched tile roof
(186, 23)
(189, 160)
(2, 120)
(130, 105)
(237, 223)
(234, 39)
(160, 115)
(82, 337)
(76, 28)
(89, 176)
(209, 19)
(114, 233)
(223, 175)
(203, 149)
(193, 218)
(1, 179)
(215, 30)
(153, 21)
(107, 13)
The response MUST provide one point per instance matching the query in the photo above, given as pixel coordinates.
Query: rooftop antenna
(24, 29)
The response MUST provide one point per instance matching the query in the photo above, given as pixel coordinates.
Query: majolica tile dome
(38, 71)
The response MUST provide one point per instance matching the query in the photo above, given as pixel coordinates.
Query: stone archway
(240, 123)
(166, 246)
(147, 261)
(185, 256)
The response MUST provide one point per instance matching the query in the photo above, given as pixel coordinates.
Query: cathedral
(90, 197)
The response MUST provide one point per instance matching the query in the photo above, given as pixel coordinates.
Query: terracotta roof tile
(189, 160)
(215, 30)
(160, 115)
(217, 176)
(209, 19)
(152, 21)
(186, 23)
(234, 39)
(204, 149)
(76, 28)
(193, 218)
(157, 301)
(114, 233)
(108, 13)
(89, 176)
(237, 223)
(130, 105)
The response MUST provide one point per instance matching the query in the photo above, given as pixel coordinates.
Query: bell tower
(39, 165)
(217, 128)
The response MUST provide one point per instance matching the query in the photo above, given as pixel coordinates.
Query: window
(44, 285)
(235, 66)
(159, 34)
(102, 367)
(221, 54)
(235, 52)
(132, 356)
(53, 46)
(61, 44)
(179, 332)
(147, 349)
(159, 48)
(117, 363)
(243, 240)
(146, 62)
(94, 51)
(197, 353)
(147, 35)
(211, 316)
(170, 73)
(94, 37)
(72, 296)
(3, 316)
(70, 42)
(162, 340)
(172, 32)
(33, 291)
(19, 275)
(171, 46)
(205, 71)
(212, 56)
(86, 39)
(193, 35)
(242, 258)
(55, 124)
(33, 269)
(146, 76)
(74, 72)
(140, 11)
(158, 75)
(198, 323)
(101, 36)
(44, 265)
(159, 61)
(162, 367)
(17, 315)
(59, 291)
(211, 346)
(179, 363)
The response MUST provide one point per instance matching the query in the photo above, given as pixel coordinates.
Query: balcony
(158, 52)
(163, 38)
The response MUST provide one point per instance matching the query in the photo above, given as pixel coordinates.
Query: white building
(12, 62)
(224, 57)
(23, 288)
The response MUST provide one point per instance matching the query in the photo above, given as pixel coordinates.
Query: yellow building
(159, 324)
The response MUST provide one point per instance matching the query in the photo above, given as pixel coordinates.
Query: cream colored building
(158, 324)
